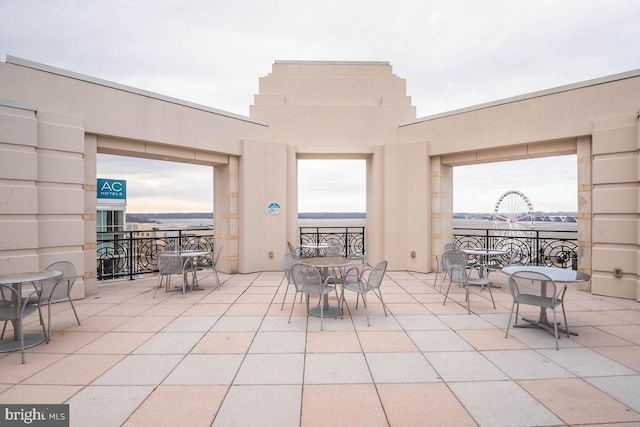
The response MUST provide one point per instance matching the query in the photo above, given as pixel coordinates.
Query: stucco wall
(53, 123)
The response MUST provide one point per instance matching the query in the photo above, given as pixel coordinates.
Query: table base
(544, 325)
(31, 339)
(326, 312)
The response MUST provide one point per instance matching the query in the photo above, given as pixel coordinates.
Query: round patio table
(562, 275)
(324, 264)
(16, 280)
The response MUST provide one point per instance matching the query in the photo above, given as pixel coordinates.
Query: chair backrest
(303, 275)
(170, 263)
(9, 310)
(217, 257)
(334, 250)
(454, 262)
(376, 275)
(531, 283)
(55, 289)
(287, 262)
(358, 261)
(449, 247)
(501, 261)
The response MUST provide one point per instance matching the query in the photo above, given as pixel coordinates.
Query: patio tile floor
(230, 356)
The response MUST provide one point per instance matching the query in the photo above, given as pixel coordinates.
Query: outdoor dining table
(484, 255)
(193, 255)
(324, 264)
(316, 246)
(562, 275)
(17, 280)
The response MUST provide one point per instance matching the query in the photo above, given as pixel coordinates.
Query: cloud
(453, 54)
(155, 186)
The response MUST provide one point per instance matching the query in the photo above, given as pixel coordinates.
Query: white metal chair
(447, 247)
(214, 264)
(356, 282)
(334, 250)
(539, 290)
(455, 264)
(170, 263)
(500, 262)
(14, 308)
(55, 290)
(292, 249)
(288, 260)
(308, 281)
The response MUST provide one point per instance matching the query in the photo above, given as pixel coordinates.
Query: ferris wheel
(514, 214)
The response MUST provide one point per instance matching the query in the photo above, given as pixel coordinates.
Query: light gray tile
(464, 366)
(400, 368)
(170, 343)
(191, 324)
(263, 369)
(206, 369)
(105, 406)
(260, 405)
(140, 370)
(626, 389)
(336, 368)
(378, 322)
(465, 321)
(279, 342)
(238, 323)
(439, 341)
(584, 362)
(421, 322)
(526, 364)
(502, 403)
(282, 324)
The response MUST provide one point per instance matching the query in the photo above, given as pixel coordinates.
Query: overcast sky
(452, 53)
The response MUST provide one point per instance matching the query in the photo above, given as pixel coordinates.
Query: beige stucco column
(615, 176)
(585, 205)
(226, 213)
(441, 207)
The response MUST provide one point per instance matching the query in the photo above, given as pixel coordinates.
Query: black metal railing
(536, 247)
(130, 253)
(351, 239)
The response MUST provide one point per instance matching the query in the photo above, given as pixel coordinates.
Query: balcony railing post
(130, 255)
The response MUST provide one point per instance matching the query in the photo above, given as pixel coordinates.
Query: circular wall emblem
(274, 208)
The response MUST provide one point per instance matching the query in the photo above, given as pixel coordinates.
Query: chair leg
(447, 294)
(21, 340)
(366, 309)
(321, 314)
(46, 335)
(466, 286)
(215, 270)
(435, 279)
(47, 332)
(74, 310)
(510, 316)
(285, 296)
(555, 328)
(157, 285)
(292, 305)
(491, 294)
(379, 295)
(566, 325)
